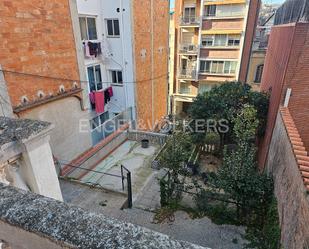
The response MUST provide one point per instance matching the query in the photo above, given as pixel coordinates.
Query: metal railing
(187, 74)
(189, 20)
(188, 48)
(112, 125)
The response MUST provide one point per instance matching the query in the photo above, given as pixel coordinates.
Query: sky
(264, 1)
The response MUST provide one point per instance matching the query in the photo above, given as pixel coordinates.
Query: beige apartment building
(213, 45)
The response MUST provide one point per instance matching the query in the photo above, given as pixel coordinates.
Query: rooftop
(12, 130)
(73, 227)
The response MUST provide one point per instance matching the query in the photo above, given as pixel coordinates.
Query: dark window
(116, 77)
(113, 27)
(94, 78)
(259, 73)
(205, 67)
(210, 10)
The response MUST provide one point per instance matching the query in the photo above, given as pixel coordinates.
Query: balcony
(225, 15)
(187, 74)
(223, 2)
(188, 49)
(190, 21)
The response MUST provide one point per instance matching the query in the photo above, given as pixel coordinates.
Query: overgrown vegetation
(238, 193)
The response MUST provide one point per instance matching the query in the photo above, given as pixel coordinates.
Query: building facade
(132, 60)
(258, 54)
(59, 58)
(213, 45)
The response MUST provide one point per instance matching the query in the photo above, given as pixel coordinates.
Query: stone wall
(293, 199)
(31, 221)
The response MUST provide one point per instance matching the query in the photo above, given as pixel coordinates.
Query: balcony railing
(229, 14)
(185, 90)
(188, 49)
(189, 20)
(187, 74)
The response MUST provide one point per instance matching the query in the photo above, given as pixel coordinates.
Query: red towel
(110, 90)
(99, 102)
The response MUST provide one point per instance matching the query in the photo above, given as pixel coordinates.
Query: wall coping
(299, 150)
(75, 228)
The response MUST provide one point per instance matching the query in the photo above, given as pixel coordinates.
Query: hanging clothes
(107, 96)
(94, 48)
(110, 90)
(99, 102)
(86, 49)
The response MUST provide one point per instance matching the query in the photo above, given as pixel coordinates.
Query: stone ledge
(73, 227)
(299, 150)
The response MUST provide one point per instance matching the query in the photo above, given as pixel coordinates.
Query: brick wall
(151, 94)
(287, 66)
(297, 78)
(237, 24)
(250, 31)
(37, 38)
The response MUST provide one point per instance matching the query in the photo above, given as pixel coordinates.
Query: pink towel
(99, 102)
(87, 50)
(92, 97)
(110, 90)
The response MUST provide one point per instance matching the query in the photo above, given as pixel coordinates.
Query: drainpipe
(125, 84)
(152, 66)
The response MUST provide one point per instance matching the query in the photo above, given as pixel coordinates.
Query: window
(205, 66)
(113, 27)
(189, 14)
(230, 67)
(258, 73)
(210, 10)
(88, 28)
(207, 40)
(233, 40)
(220, 40)
(204, 88)
(95, 78)
(116, 77)
(218, 67)
(184, 88)
(99, 120)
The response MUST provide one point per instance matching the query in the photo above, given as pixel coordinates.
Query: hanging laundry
(95, 48)
(86, 49)
(92, 100)
(99, 102)
(107, 96)
(110, 90)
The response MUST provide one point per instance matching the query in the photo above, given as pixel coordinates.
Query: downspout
(125, 83)
(169, 103)
(152, 67)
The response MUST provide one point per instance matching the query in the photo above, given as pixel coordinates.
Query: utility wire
(81, 81)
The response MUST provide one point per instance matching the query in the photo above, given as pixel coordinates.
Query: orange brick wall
(297, 78)
(223, 24)
(37, 38)
(223, 54)
(150, 110)
(253, 15)
(287, 66)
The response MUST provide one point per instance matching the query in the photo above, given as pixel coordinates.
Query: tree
(238, 177)
(225, 102)
(173, 158)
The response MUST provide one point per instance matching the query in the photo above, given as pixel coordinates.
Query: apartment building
(213, 45)
(132, 60)
(42, 75)
(57, 56)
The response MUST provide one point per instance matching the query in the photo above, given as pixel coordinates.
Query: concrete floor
(131, 155)
(93, 199)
